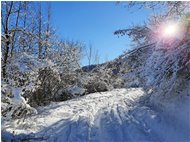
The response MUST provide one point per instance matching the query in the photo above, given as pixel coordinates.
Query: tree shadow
(131, 122)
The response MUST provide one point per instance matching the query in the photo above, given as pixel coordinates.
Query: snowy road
(116, 116)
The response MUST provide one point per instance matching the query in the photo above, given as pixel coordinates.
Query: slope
(115, 116)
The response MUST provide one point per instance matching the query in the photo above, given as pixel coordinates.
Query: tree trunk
(7, 43)
(40, 32)
(16, 25)
(5, 56)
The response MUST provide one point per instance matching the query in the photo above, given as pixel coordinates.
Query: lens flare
(170, 30)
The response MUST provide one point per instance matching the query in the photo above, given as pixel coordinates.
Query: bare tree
(5, 17)
(12, 14)
(40, 31)
(47, 29)
(89, 54)
(24, 43)
(96, 58)
(16, 26)
(92, 56)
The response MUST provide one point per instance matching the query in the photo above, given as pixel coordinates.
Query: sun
(170, 30)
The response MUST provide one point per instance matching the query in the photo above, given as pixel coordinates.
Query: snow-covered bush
(64, 94)
(53, 85)
(21, 78)
(45, 76)
(96, 86)
(47, 83)
(32, 82)
(13, 104)
(102, 78)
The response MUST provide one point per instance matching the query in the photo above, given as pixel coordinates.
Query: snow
(75, 90)
(15, 103)
(114, 116)
(17, 96)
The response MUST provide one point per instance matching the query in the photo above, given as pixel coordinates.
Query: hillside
(157, 101)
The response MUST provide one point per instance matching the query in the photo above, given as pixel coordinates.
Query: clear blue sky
(94, 23)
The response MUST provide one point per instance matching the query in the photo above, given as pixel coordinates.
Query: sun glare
(170, 30)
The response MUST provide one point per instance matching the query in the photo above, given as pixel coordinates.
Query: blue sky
(94, 23)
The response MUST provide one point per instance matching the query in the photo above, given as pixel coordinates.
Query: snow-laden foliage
(138, 34)
(167, 71)
(22, 71)
(160, 61)
(155, 63)
(31, 81)
(66, 56)
(162, 70)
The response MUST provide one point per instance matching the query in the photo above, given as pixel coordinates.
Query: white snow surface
(74, 90)
(115, 116)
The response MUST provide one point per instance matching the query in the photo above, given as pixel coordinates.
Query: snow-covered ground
(114, 116)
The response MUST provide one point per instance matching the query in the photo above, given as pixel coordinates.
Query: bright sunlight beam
(170, 30)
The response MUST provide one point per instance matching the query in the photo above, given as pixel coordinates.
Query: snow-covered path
(115, 116)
